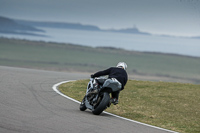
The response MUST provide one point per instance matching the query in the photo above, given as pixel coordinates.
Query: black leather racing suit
(114, 72)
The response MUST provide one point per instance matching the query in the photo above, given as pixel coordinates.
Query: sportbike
(97, 97)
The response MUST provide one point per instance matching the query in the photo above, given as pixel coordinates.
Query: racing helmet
(122, 64)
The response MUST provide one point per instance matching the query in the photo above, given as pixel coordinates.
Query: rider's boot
(114, 101)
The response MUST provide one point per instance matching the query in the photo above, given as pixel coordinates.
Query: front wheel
(82, 105)
(103, 102)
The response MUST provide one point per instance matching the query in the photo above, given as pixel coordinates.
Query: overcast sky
(173, 17)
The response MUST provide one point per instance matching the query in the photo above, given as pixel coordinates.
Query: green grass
(68, 57)
(173, 106)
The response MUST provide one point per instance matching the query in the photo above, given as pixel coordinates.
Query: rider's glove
(92, 76)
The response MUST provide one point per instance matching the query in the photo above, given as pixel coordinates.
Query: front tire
(82, 105)
(105, 99)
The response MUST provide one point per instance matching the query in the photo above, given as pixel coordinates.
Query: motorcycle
(97, 97)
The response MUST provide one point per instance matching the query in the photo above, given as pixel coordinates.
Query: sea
(136, 42)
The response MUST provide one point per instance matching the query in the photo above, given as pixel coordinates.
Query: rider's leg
(115, 94)
(115, 97)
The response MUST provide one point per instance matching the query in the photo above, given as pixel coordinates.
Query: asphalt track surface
(28, 104)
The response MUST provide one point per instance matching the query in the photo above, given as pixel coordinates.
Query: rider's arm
(102, 73)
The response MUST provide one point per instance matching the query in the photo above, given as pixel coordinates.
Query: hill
(25, 27)
(61, 25)
(133, 30)
(10, 26)
(78, 26)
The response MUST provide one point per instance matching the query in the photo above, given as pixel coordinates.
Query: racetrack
(28, 104)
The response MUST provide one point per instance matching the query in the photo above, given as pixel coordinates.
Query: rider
(119, 73)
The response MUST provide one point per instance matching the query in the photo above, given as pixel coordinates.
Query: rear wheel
(82, 105)
(103, 102)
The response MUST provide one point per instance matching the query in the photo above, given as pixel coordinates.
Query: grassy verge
(70, 57)
(173, 106)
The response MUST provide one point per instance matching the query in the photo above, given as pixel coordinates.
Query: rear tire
(105, 99)
(82, 105)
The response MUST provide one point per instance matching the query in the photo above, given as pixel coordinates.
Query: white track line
(55, 88)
